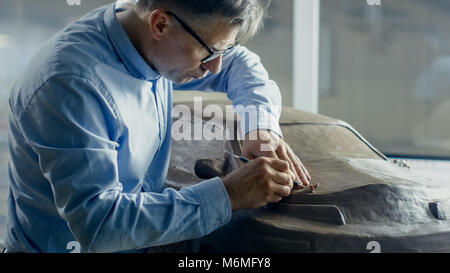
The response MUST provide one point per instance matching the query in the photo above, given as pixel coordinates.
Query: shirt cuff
(215, 204)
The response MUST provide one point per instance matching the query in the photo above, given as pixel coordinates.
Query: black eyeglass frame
(213, 54)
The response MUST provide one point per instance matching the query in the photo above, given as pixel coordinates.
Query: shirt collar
(125, 49)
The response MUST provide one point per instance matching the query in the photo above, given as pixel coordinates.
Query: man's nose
(214, 66)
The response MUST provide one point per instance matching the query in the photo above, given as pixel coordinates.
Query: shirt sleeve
(72, 130)
(255, 98)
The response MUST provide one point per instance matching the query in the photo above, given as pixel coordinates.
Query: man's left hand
(268, 144)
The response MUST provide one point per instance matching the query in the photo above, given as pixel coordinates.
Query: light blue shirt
(89, 140)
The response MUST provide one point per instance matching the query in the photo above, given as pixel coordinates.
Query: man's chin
(183, 80)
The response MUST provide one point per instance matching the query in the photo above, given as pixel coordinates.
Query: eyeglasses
(213, 54)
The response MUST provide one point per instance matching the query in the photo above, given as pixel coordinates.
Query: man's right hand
(258, 182)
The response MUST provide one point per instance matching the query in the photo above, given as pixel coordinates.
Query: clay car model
(365, 202)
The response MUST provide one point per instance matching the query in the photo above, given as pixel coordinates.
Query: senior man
(90, 128)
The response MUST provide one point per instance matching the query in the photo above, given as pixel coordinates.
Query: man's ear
(159, 24)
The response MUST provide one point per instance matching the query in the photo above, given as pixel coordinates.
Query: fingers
(279, 194)
(279, 182)
(302, 175)
(282, 154)
(277, 164)
(298, 164)
(271, 154)
(276, 171)
(282, 179)
(282, 173)
(261, 181)
(297, 161)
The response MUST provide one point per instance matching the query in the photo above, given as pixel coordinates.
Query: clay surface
(363, 198)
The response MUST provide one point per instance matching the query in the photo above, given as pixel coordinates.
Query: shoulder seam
(92, 80)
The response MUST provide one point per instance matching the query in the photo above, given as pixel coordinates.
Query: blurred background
(385, 69)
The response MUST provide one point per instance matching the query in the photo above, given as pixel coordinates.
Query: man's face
(181, 55)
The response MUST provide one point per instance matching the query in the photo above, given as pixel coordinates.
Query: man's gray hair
(248, 14)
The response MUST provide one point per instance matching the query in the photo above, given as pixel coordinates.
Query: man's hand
(258, 182)
(268, 144)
